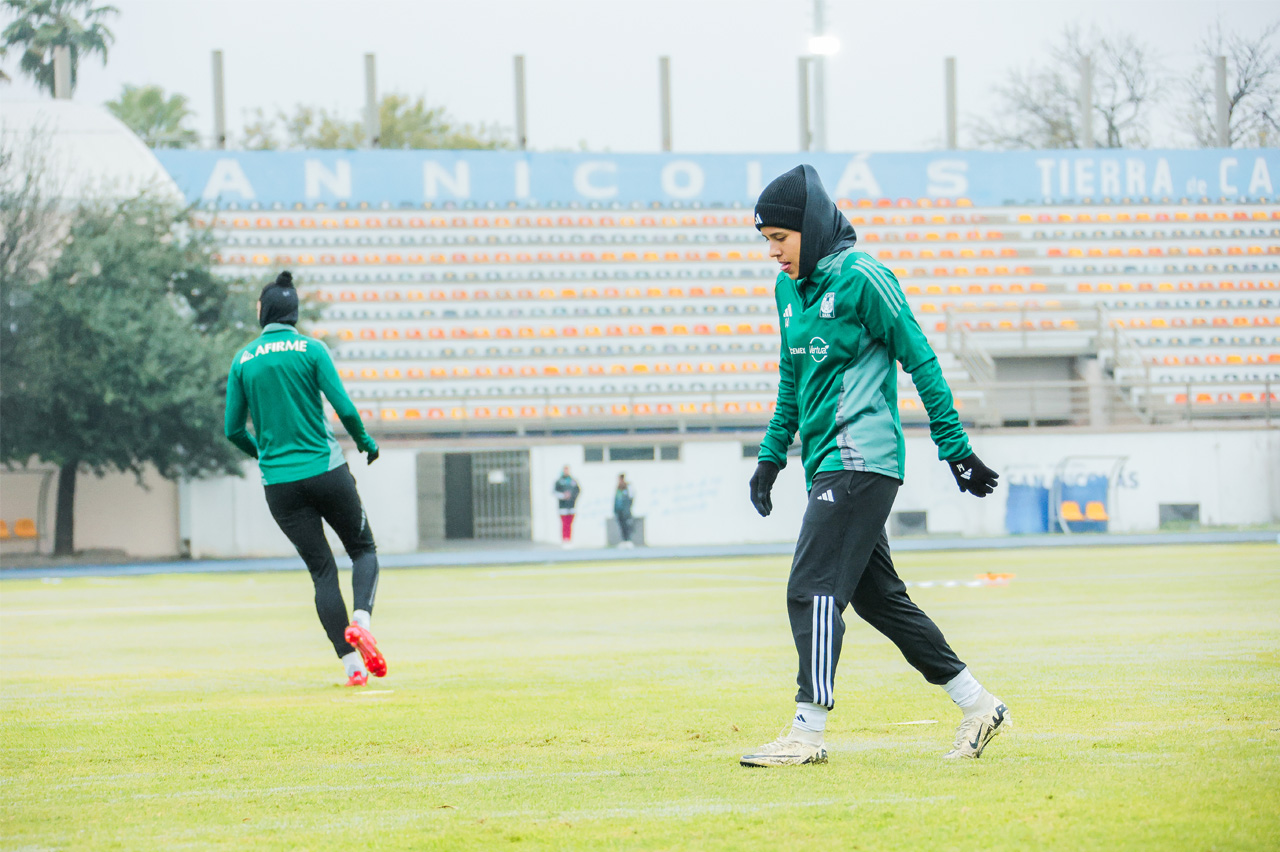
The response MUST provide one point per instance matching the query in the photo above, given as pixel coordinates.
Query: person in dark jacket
(845, 326)
(566, 490)
(623, 498)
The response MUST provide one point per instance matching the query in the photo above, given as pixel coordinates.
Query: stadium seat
(1095, 511)
(1070, 511)
(24, 528)
(4, 531)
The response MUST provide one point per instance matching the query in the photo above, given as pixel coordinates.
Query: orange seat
(1070, 511)
(1095, 511)
(24, 528)
(4, 531)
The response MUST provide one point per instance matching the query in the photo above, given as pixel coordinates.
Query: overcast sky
(592, 64)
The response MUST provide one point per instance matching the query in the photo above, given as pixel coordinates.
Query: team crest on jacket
(828, 308)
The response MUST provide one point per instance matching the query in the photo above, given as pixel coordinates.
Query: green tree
(124, 351)
(158, 120)
(315, 127)
(406, 123)
(260, 133)
(41, 25)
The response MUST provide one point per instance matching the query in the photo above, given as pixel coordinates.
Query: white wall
(112, 512)
(702, 499)
(1233, 474)
(228, 517)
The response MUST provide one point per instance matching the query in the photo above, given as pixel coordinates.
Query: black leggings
(299, 508)
(843, 557)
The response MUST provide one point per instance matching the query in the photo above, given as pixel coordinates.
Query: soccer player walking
(277, 381)
(844, 322)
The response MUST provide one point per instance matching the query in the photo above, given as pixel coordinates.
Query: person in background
(567, 490)
(623, 498)
(277, 381)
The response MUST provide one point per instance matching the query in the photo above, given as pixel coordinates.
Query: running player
(844, 322)
(277, 381)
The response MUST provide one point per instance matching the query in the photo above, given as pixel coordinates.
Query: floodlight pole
(819, 80)
(372, 121)
(1085, 139)
(522, 130)
(219, 103)
(806, 136)
(664, 97)
(1223, 112)
(950, 82)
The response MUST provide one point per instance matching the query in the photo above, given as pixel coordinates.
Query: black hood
(826, 231)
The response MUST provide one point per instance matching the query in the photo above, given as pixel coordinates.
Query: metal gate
(500, 495)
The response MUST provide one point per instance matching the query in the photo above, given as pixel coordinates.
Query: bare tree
(32, 225)
(1040, 106)
(1253, 88)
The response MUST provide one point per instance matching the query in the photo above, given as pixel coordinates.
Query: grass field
(604, 707)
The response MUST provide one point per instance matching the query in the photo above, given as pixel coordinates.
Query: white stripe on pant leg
(821, 603)
(821, 656)
(831, 632)
(823, 651)
(813, 654)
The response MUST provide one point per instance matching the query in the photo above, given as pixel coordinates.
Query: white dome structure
(91, 153)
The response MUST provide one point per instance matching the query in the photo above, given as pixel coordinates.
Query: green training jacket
(277, 381)
(842, 330)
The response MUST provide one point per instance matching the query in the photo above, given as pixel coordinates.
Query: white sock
(362, 618)
(809, 723)
(352, 663)
(968, 694)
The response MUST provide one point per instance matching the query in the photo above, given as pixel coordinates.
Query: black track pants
(842, 557)
(300, 508)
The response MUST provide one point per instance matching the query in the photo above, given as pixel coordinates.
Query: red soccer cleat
(357, 679)
(362, 640)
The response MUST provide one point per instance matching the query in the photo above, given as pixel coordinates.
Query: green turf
(604, 707)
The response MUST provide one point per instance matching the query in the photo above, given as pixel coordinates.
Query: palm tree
(158, 120)
(41, 25)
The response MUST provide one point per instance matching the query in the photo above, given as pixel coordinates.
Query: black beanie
(782, 202)
(279, 301)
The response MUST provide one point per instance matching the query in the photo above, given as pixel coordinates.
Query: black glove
(762, 485)
(973, 476)
(371, 456)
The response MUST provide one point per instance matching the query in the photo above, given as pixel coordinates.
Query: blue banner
(483, 177)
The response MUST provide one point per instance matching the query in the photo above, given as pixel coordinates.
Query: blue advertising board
(501, 177)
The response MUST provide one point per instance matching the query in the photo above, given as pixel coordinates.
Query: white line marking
(917, 722)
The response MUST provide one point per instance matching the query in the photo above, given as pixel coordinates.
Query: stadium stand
(653, 317)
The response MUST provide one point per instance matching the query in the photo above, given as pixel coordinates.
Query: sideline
(544, 555)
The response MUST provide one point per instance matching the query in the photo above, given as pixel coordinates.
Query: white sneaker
(786, 751)
(565, 545)
(626, 545)
(977, 730)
